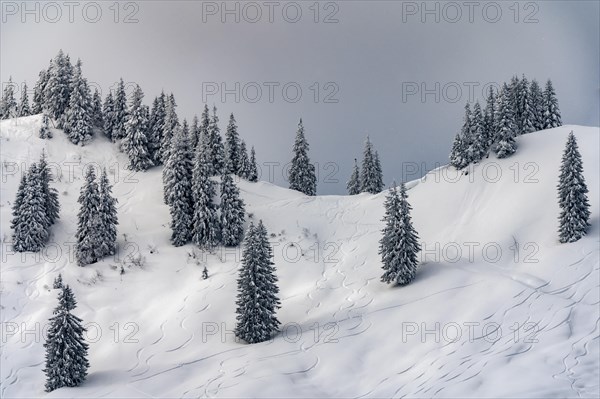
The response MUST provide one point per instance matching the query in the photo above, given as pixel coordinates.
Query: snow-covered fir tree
(45, 132)
(371, 180)
(24, 109)
(206, 223)
(572, 195)
(50, 194)
(58, 282)
(88, 246)
(505, 127)
(232, 212)
(108, 112)
(244, 162)
(399, 244)
(195, 132)
(178, 188)
(30, 220)
(378, 172)
(57, 91)
(477, 149)
(232, 147)
(79, 121)
(456, 153)
(18, 202)
(214, 147)
(97, 116)
(169, 128)
(66, 349)
(550, 103)
(489, 123)
(252, 171)
(537, 105)
(135, 142)
(513, 98)
(302, 173)
(38, 99)
(120, 112)
(108, 217)
(8, 104)
(157, 120)
(527, 121)
(353, 185)
(257, 298)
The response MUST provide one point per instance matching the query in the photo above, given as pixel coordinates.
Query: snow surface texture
(384, 340)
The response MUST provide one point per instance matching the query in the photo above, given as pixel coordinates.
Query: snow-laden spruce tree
(66, 349)
(195, 132)
(108, 111)
(371, 180)
(252, 170)
(169, 128)
(156, 123)
(244, 162)
(178, 188)
(108, 217)
(257, 298)
(78, 118)
(232, 213)
(8, 104)
(57, 91)
(88, 246)
(302, 173)
(206, 224)
(16, 207)
(399, 244)
(215, 149)
(477, 149)
(232, 147)
(505, 127)
(353, 184)
(527, 108)
(38, 99)
(57, 284)
(50, 194)
(30, 219)
(489, 124)
(457, 152)
(45, 132)
(24, 109)
(572, 195)
(537, 105)
(120, 112)
(550, 103)
(97, 116)
(513, 99)
(135, 142)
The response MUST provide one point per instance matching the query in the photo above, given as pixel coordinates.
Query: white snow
(150, 328)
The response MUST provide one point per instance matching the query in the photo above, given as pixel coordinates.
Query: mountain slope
(467, 326)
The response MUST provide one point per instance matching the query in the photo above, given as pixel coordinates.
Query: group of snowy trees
(96, 234)
(66, 349)
(190, 191)
(35, 209)
(8, 104)
(369, 178)
(518, 108)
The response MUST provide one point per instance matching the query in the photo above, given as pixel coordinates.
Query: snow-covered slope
(471, 325)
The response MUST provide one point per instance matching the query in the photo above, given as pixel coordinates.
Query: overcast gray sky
(361, 66)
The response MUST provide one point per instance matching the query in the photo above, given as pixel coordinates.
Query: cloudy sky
(400, 72)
